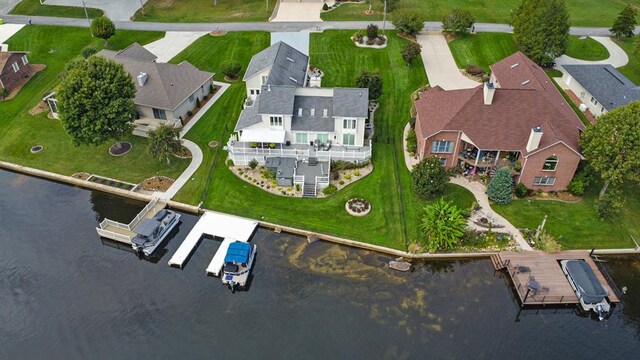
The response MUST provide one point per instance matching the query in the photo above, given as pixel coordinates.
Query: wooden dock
(553, 286)
(124, 232)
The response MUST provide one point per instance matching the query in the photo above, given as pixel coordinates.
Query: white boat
(592, 295)
(238, 263)
(150, 233)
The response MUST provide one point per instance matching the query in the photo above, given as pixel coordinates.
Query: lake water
(64, 294)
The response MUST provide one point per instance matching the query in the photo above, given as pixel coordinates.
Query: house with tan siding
(517, 119)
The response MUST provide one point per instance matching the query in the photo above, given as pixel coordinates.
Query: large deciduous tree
(541, 29)
(371, 81)
(102, 27)
(625, 23)
(408, 22)
(458, 22)
(164, 142)
(443, 225)
(429, 177)
(612, 146)
(95, 101)
(500, 188)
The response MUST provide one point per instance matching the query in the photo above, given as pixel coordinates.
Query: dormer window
(325, 113)
(300, 112)
(313, 112)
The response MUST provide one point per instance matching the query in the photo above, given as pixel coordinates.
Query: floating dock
(215, 267)
(230, 228)
(538, 278)
(124, 232)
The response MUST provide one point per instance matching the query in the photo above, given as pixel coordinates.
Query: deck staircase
(309, 190)
(497, 262)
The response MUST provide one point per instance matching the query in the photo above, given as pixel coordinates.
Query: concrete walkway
(298, 12)
(478, 190)
(116, 10)
(439, 64)
(617, 57)
(196, 152)
(172, 44)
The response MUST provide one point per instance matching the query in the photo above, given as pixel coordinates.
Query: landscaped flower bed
(261, 178)
(358, 207)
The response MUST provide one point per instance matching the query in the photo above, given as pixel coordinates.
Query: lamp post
(384, 17)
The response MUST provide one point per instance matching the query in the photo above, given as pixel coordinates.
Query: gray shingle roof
(138, 52)
(276, 99)
(318, 122)
(249, 116)
(288, 65)
(606, 84)
(167, 85)
(350, 102)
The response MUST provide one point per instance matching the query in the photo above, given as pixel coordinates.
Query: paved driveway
(172, 44)
(116, 10)
(439, 64)
(297, 12)
(617, 56)
(7, 5)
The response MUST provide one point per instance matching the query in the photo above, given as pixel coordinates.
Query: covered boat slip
(211, 223)
(538, 277)
(586, 282)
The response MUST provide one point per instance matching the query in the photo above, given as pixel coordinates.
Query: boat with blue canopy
(238, 263)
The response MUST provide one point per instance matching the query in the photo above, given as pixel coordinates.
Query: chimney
(142, 78)
(488, 90)
(534, 139)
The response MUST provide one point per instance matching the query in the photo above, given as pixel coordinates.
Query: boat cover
(146, 227)
(238, 253)
(586, 281)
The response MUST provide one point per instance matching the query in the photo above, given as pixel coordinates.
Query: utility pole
(266, 10)
(384, 17)
(84, 5)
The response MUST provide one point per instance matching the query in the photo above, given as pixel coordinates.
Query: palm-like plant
(164, 142)
(443, 225)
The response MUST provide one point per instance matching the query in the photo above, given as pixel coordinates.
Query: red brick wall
(566, 168)
(443, 136)
(9, 78)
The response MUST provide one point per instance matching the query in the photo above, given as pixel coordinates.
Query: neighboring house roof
(317, 121)
(517, 71)
(167, 85)
(277, 100)
(504, 125)
(353, 102)
(606, 84)
(4, 57)
(288, 65)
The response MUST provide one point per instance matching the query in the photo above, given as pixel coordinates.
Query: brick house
(15, 70)
(517, 119)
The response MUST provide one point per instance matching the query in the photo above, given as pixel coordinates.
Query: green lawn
(34, 8)
(482, 49)
(587, 49)
(632, 69)
(55, 46)
(204, 11)
(581, 12)
(228, 193)
(576, 226)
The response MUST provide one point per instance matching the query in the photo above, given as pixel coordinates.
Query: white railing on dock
(143, 213)
(114, 236)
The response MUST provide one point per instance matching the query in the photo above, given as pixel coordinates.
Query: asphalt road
(270, 26)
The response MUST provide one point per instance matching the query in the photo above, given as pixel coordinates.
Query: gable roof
(288, 65)
(317, 121)
(167, 85)
(517, 71)
(4, 57)
(606, 84)
(351, 102)
(276, 99)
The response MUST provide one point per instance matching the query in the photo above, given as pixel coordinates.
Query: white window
(25, 61)
(15, 67)
(550, 164)
(349, 123)
(264, 79)
(544, 180)
(159, 114)
(299, 111)
(442, 147)
(302, 138)
(322, 138)
(313, 112)
(348, 139)
(325, 113)
(275, 120)
(594, 101)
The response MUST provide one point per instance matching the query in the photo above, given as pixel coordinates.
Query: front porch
(243, 152)
(472, 160)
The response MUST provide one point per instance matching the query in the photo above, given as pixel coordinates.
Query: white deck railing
(106, 222)
(298, 179)
(114, 235)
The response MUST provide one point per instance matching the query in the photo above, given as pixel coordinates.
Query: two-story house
(283, 117)
(517, 119)
(15, 70)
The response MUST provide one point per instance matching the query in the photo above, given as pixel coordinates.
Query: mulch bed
(217, 33)
(39, 109)
(204, 101)
(228, 79)
(156, 183)
(184, 153)
(116, 150)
